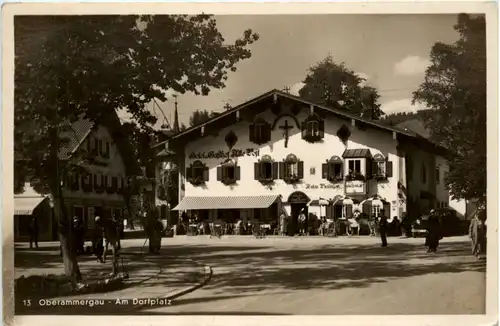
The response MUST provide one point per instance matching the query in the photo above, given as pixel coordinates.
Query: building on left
(99, 191)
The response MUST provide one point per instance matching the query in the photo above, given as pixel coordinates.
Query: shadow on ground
(246, 270)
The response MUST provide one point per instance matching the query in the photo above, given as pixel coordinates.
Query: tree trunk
(71, 268)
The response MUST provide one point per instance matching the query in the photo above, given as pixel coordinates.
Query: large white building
(279, 152)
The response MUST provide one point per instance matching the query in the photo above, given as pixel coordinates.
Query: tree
(73, 67)
(328, 82)
(200, 116)
(455, 86)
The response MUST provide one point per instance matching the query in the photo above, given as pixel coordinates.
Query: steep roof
(337, 110)
(80, 130)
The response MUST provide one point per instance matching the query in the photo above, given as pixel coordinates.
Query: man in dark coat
(79, 235)
(383, 229)
(433, 233)
(33, 231)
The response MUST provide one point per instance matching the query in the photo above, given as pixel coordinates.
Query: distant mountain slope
(414, 121)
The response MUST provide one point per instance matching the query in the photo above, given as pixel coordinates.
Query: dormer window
(266, 170)
(260, 131)
(313, 128)
(291, 169)
(332, 169)
(228, 172)
(381, 167)
(197, 173)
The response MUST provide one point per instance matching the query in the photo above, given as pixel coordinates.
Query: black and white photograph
(246, 164)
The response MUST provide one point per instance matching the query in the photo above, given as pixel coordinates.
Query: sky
(390, 51)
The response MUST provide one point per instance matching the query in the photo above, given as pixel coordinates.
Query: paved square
(332, 276)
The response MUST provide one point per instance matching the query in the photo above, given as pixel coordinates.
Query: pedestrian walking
(98, 239)
(383, 229)
(433, 233)
(477, 233)
(33, 232)
(79, 235)
(283, 222)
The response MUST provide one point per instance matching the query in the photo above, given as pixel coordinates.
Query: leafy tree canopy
(200, 116)
(455, 86)
(328, 82)
(73, 67)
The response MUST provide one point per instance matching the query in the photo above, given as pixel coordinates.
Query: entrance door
(298, 201)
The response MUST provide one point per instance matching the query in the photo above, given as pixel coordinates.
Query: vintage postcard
(281, 164)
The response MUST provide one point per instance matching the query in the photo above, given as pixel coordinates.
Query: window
(313, 128)
(228, 172)
(260, 131)
(376, 211)
(423, 173)
(380, 168)
(197, 173)
(266, 169)
(354, 166)
(332, 169)
(292, 169)
(437, 175)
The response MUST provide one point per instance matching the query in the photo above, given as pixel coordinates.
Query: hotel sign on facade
(355, 187)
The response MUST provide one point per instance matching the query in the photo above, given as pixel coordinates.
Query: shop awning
(226, 202)
(26, 205)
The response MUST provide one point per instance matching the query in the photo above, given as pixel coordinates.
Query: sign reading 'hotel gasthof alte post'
(224, 154)
(355, 187)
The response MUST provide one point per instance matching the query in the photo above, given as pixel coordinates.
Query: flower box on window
(197, 173)
(266, 170)
(332, 169)
(291, 170)
(313, 128)
(355, 176)
(228, 173)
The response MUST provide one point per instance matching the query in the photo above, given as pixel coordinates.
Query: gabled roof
(76, 134)
(337, 110)
(80, 130)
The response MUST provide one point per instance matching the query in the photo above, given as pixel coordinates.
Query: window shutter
(325, 173)
(89, 144)
(369, 171)
(329, 211)
(267, 128)
(189, 173)
(237, 173)
(348, 211)
(256, 171)
(106, 153)
(275, 170)
(251, 132)
(374, 169)
(282, 170)
(321, 126)
(300, 168)
(96, 146)
(205, 174)
(389, 168)
(219, 173)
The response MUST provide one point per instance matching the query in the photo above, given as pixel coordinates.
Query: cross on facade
(286, 89)
(286, 129)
